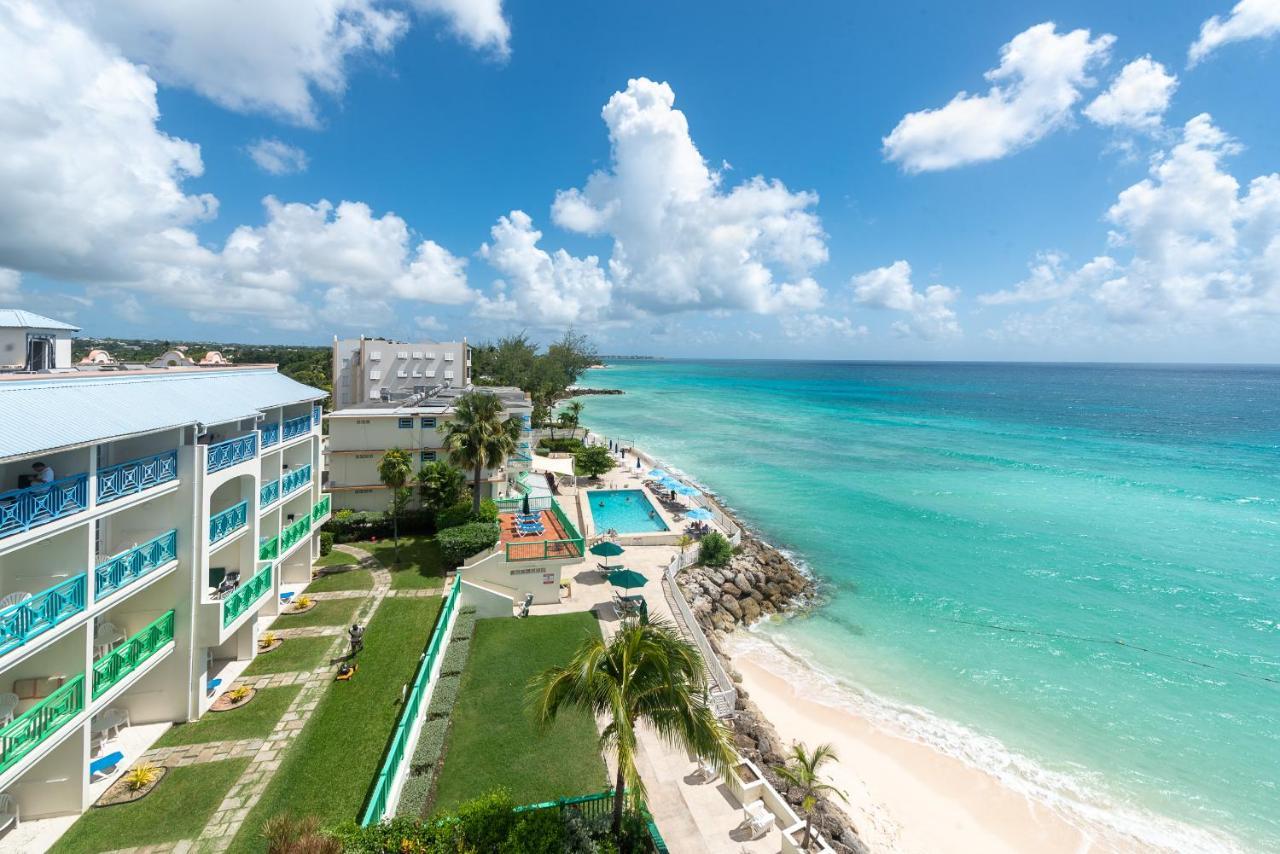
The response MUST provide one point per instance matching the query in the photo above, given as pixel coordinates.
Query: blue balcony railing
(127, 567)
(268, 494)
(231, 452)
(226, 523)
(136, 475)
(24, 509)
(296, 479)
(316, 413)
(295, 427)
(270, 434)
(21, 622)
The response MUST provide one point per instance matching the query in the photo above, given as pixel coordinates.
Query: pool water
(626, 511)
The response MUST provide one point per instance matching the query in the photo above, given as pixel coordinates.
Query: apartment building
(149, 520)
(375, 369)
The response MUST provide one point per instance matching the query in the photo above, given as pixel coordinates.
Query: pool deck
(553, 532)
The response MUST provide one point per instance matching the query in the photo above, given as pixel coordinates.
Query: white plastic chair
(8, 811)
(758, 818)
(106, 637)
(109, 721)
(8, 706)
(15, 598)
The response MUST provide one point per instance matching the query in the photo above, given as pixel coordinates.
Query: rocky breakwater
(758, 582)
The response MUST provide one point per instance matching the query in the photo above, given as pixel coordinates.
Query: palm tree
(646, 671)
(394, 471)
(573, 411)
(802, 771)
(479, 436)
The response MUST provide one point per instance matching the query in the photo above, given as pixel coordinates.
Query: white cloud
(799, 327)
(1050, 280)
(1033, 91)
(546, 289)
(278, 158)
(1249, 19)
(10, 285)
(1137, 97)
(478, 22)
(680, 239)
(929, 312)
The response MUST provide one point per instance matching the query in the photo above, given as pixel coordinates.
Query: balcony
(128, 566)
(21, 622)
(270, 434)
(226, 523)
(321, 509)
(269, 549)
(295, 532)
(560, 541)
(126, 658)
(24, 509)
(39, 722)
(295, 427)
(232, 452)
(136, 475)
(317, 412)
(268, 494)
(245, 595)
(294, 480)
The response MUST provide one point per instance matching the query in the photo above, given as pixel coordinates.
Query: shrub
(485, 823)
(593, 461)
(142, 776)
(715, 549)
(267, 639)
(302, 603)
(488, 511)
(464, 627)
(239, 693)
(426, 756)
(455, 657)
(443, 697)
(326, 543)
(413, 798)
(348, 526)
(536, 832)
(461, 542)
(560, 446)
(454, 515)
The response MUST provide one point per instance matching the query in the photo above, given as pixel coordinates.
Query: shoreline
(907, 796)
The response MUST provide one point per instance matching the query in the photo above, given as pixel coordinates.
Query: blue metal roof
(16, 317)
(41, 415)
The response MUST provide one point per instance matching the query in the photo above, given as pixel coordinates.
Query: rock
(716, 575)
(731, 605)
(730, 589)
(756, 595)
(742, 581)
(750, 610)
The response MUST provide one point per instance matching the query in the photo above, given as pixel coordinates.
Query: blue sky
(826, 180)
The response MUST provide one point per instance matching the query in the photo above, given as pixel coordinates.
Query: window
(362, 420)
(402, 373)
(375, 374)
(374, 394)
(431, 355)
(406, 423)
(448, 375)
(417, 373)
(428, 424)
(417, 354)
(428, 456)
(448, 357)
(375, 356)
(403, 354)
(428, 373)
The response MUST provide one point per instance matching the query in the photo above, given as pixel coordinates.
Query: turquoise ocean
(1066, 575)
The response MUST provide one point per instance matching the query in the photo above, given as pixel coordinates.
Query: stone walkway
(194, 754)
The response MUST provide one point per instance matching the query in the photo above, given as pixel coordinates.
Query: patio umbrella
(658, 473)
(669, 482)
(686, 489)
(699, 514)
(524, 505)
(607, 550)
(627, 579)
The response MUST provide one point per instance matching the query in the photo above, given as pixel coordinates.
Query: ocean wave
(1078, 796)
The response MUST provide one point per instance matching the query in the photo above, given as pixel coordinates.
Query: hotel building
(137, 572)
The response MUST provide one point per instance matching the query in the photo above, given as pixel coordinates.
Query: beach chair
(757, 818)
(105, 765)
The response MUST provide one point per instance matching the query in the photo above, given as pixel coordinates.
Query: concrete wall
(541, 578)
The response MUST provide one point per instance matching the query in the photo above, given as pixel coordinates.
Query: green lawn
(293, 654)
(331, 612)
(179, 808)
(420, 565)
(355, 578)
(329, 770)
(256, 720)
(493, 741)
(337, 558)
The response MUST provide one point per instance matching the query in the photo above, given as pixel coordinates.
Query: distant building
(171, 359)
(98, 357)
(30, 342)
(213, 357)
(375, 369)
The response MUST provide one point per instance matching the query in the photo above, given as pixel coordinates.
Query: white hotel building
(138, 580)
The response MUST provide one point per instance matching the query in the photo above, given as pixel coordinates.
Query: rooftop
(18, 318)
(441, 401)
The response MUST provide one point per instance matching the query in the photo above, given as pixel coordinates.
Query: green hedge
(326, 543)
(452, 517)
(414, 796)
(459, 543)
(560, 446)
(426, 756)
(465, 626)
(455, 657)
(348, 526)
(443, 697)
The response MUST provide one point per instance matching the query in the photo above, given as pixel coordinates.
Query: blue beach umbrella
(686, 489)
(658, 473)
(669, 482)
(699, 514)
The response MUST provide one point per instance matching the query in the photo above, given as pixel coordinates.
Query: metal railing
(226, 523)
(294, 480)
(136, 475)
(379, 799)
(124, 659)
(21, 622)
(723, 694)
(599, 806)
(321, 508)
(128, 566)
(294, 532)
(269, 549)
(295, 427)
(317, 412)
(245, 595)
(268, 494)
(270, 434)
(24, 509)
(42, 720)
(231, 452)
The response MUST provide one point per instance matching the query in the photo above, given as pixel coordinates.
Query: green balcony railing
(599, 807)
(290, 535)
(245, 595)
(269, 549)
(567, 548)
(321, 508)
(126, 658)
(29, 729)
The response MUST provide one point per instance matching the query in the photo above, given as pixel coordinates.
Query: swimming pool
(626, 511)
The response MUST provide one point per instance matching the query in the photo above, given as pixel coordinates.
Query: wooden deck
(553, 543)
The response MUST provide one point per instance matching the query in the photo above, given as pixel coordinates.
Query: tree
(802, 771)
(573, 415)
(440, 485)
(394, 471)
(593, 461)
(479, 436)
(716, 550)
(646, 671)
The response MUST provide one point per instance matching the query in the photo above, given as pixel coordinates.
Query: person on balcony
(43, 474)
